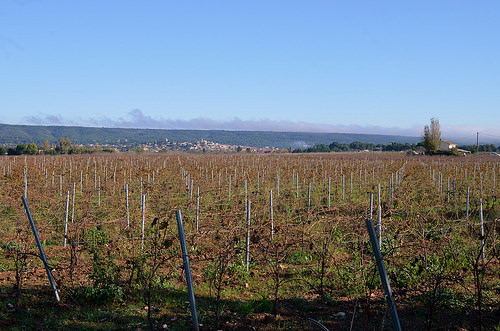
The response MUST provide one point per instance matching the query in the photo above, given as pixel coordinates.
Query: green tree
(63, 146)
(432, 136)
(32, 149)
(139, 150)
(3, 150)
(338, 147)
(454, 151)
(21, 149)
(45, 146)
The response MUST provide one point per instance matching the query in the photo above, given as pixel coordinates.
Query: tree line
(392, 147)
(431, 140)
(63, 146)
(482, 148)
(355, 146)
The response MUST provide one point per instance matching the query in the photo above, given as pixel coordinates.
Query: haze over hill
(137, 119)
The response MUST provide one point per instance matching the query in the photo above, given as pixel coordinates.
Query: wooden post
(448, 191)
(329, 188)
(126, 205)
(197, 208)
(143, 200)
(467, 203)
(351, 184)
(25, 182)
(140, 192)
(371, 207)
(191, 191)
(390, 192)
(66, 219)
(99, 192)
(247, 243)
(378, 193)
(271, 213)
(343, 187)
(379, 225)
(73, 203)
(454, 197)
(481, 224)
(246, 197)
(308, 202)
(278, 187)
(297, 183)
(493, 181)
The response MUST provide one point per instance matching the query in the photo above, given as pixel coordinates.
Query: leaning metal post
(185, 258)
(42, 254)
(383, 275)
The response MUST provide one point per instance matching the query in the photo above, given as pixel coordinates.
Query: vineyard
(275, 241)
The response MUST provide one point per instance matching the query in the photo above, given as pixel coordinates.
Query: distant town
(65, 146)
(199, 146)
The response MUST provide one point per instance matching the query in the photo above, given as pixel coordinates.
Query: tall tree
(32, 149)
(64, 144)
(432, 136)
(20, 149)
(45, 146)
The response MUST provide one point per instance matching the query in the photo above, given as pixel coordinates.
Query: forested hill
(22, 134)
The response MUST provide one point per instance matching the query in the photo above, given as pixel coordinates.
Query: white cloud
(137, 119)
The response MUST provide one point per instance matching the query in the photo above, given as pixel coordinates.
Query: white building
(446, 146)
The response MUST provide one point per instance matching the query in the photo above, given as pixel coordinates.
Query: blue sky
(336, 66)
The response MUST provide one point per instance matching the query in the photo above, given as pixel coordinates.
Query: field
(274, 240)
